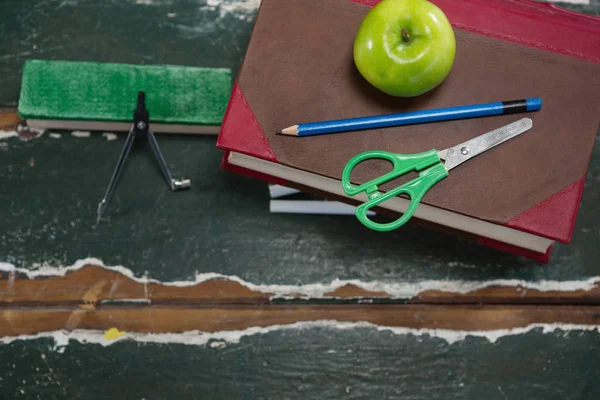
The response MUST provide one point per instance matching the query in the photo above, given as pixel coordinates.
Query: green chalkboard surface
(50, 187)
(317, 363)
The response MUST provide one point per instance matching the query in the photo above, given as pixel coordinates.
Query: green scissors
(433, 166)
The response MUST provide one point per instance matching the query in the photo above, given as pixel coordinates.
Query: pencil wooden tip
(291, 131)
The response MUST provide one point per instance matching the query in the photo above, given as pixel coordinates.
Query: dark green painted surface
(313, 364)
(592, 8)
(49, 188)
(223, 224)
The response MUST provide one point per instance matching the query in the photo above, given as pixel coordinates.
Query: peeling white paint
(153, 2)
(399, 290)
(219, 339)
(81, 134)
(39, 132)
(110, 136)
(55, 135)
(8, 134)
(218, 344)
(242, 9)
(215, 14)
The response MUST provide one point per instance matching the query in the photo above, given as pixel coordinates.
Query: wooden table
(218, 298)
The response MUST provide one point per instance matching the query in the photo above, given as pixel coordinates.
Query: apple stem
(405, 36)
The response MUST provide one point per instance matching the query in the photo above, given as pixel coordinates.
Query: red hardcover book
(519, 198)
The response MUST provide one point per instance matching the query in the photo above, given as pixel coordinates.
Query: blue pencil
(416, 117)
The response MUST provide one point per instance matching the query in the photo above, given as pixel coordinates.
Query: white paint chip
(81, 134)
(153, 2)
(218, 344)
(241, 9)
(8, 134)
(20, 129)
(55, 135)
(109, 136)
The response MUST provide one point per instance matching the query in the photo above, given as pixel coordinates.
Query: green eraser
(102, 96)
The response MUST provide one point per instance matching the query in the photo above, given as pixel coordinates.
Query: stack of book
(521, 197)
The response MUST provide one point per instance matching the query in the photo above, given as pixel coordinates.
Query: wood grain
(212, 319)
(511, 295)
(9, 119)
(94, 285)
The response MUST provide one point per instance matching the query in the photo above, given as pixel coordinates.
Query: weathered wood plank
(94, 285)
(511, 295)
(14, 322)
(9, 119)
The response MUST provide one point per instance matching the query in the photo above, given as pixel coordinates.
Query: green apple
(405, 47)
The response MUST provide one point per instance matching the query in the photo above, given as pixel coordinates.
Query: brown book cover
(299, 68)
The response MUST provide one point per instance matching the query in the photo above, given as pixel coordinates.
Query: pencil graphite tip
(278, 132)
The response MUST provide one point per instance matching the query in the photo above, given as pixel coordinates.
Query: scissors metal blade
(456, 155)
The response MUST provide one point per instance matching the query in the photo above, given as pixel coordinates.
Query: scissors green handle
(432, 171)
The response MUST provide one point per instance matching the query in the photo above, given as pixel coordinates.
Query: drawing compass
(140, 130)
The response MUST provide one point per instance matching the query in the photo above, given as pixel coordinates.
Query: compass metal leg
(116, 174)
(174, 184)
